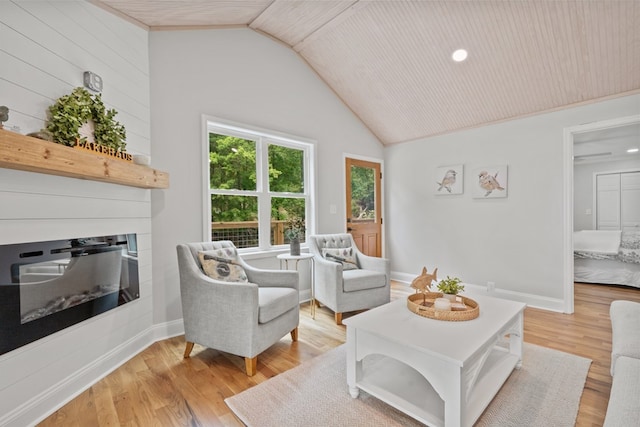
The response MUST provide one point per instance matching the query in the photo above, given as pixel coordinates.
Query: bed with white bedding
(610, 257)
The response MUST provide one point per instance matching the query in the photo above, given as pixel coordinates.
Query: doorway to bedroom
(602, 182)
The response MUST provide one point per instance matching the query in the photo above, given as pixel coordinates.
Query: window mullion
(308, 191)
(264, 201)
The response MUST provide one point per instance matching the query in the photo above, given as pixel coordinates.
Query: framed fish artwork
(449, 180)
(489, 182)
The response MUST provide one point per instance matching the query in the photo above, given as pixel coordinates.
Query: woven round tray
(414, 303)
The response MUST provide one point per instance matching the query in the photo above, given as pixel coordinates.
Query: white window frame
(262, 138)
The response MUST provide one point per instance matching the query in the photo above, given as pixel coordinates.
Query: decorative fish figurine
(422, 283)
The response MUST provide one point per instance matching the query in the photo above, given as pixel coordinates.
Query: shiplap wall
(45, 46)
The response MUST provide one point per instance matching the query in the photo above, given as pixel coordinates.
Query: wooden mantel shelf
(36, 155)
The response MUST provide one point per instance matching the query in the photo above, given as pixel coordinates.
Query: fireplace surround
(50, 285)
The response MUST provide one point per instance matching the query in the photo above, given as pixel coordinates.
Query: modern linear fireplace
(48, 286)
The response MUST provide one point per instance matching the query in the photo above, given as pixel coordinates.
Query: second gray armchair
(346, 279)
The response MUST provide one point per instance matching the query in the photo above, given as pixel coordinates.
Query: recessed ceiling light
(459, 55)
(632, 150)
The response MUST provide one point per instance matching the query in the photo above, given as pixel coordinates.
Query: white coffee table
(441, 373)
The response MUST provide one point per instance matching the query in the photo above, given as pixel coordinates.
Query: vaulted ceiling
(390, 61)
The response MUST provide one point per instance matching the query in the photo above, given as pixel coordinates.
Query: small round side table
(297, 258)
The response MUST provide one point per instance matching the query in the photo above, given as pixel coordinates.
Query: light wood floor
(158, 388)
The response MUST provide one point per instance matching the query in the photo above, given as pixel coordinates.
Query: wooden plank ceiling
(390, 61)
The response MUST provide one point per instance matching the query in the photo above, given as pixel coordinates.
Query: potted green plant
(450, 287)
(294, 231)
(70, 112)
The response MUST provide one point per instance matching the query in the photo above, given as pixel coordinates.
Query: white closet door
(630, 201)
(608, 202)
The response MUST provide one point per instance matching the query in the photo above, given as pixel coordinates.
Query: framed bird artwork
(449, 180)
(490, 182)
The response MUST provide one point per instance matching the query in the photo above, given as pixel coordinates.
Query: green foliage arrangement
(450, 285)
(71, 111)
(295, 228)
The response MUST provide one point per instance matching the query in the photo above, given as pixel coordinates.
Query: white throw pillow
(345, 256)
(222, 264)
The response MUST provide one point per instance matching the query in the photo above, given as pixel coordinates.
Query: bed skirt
(606, 271)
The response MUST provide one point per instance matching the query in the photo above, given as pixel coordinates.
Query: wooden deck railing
(242, 233)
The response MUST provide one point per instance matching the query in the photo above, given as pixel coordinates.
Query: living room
(162, 83)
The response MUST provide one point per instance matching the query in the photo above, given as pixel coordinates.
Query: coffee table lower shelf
(402, 387)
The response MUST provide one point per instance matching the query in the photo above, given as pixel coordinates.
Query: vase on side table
(294, 246)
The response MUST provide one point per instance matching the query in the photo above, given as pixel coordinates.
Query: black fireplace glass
(50, 285)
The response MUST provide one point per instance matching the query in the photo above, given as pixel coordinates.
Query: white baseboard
(44, 404)
(167, 330)
(402, 277)
(537, 301)
(305, 295)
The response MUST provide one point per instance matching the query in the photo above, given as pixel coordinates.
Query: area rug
(544, 392)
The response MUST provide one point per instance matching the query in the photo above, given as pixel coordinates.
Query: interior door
(608, 202)
(364, 207)
(630, 201)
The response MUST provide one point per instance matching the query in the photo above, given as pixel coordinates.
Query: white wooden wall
(45, 46)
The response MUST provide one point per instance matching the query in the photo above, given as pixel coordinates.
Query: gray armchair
(238, 318)
(343, 290)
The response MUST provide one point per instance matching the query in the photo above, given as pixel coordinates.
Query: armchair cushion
(222, 264)
(344, 256)
(273, 302)
(358, 280)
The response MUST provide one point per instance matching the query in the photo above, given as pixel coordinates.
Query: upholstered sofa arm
(216, 296)
(208, 304)
(327, 272)
(373, 263)
(272, 278)
(220, 315)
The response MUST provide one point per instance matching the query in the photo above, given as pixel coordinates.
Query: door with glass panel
(364, 220)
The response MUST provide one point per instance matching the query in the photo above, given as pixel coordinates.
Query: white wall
(515, 242)
(242, 76)
(583, 188)
(44, 49)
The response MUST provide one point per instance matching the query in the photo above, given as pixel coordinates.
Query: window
(256, 181)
